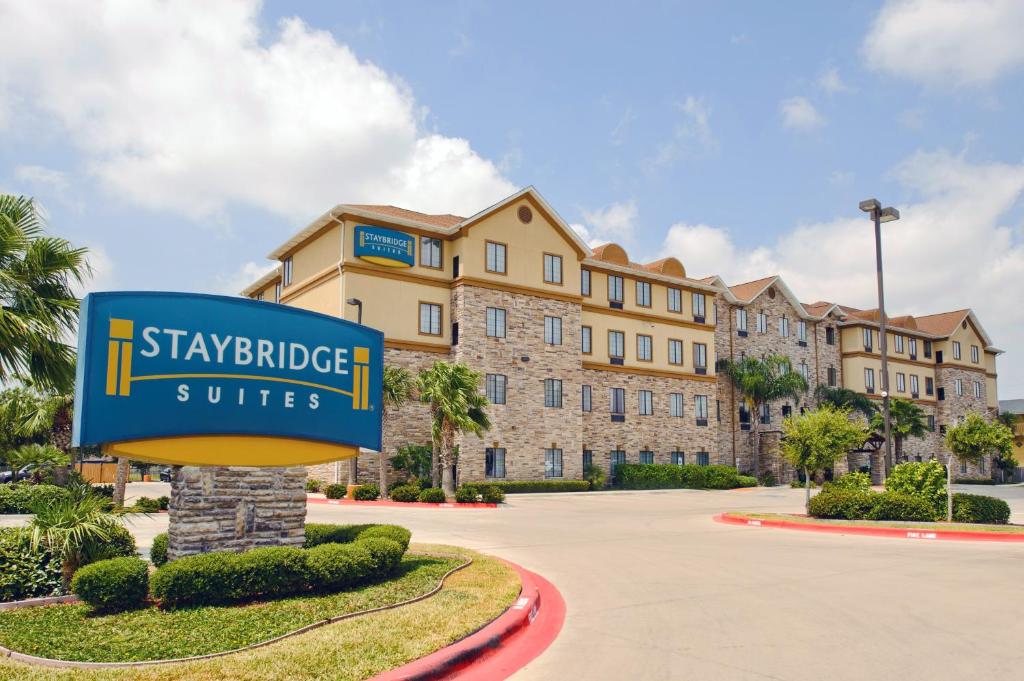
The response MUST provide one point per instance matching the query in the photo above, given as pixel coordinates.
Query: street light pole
(880, 215)
(359, 308)
(353, 463)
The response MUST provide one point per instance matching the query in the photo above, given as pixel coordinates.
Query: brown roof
(941, 324)
(709, 280)
(750, 289)
(817, 308)
(446, 220)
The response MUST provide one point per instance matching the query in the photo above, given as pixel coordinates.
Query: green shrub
(119, 544)
(203, 579)
(899, 506)
(395, 533)
(841, 503)
(336, 491)
(385, 554)
(313, 485)
(366, 492)
(668, 476)
(20, 497)
(146, 505)
(491, 494)
(317, 534)
(977, 508)
(466, 494)
(268, 572)
(113, 585)
(720, 477)
(854, 480)
(164, 502)
(103, 490)
(974, 481)
(768, 479)
(595, 476)
(432, 495)
(158, 552)
(405, 493)
(746, 481)
(924, 479)
(334, 567)
(540, 486)
(25, 573)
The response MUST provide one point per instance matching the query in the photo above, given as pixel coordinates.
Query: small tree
(413, 460)
(398, 389)
(814, 440)
(70, 528)
(906, 419)
(972, 440)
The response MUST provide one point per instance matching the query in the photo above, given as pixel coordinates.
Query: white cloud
(232, 284)
(951, 249)
(692, 136)
(831, 82)
(102, 272)
(189, 107)
(947, 42)
(584, 233)
(798, 113)
(615, 222)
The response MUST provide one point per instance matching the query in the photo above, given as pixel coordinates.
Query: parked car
(15, 476)
(165, 474)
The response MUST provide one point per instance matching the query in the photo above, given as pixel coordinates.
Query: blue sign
(386, 247)
(171, 375)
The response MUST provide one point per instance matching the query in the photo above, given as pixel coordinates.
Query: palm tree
(761, 382)
(456, 406)
(906, 419)
(40, 309)
(398, 389)
(70, 528)
(42, 457)
(844, 398)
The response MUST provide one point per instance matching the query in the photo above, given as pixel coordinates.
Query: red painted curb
(893, 532)
(500, 648)
(402, 504)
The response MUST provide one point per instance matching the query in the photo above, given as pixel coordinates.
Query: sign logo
(386, 247)
(197, 379)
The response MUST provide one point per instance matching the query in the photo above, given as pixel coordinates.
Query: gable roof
(747, 292)
(446, 220)
(262, 282)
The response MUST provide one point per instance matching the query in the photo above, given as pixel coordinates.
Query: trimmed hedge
(146, 505)
(405, 493)
(923, 479)
(973, 481)
(466, 494)
(19, 497)
(534, 486)
(842, 504)
(119, 544)
(673, 476)
(317, 534)
(747, 480)
(336, 491)
(367, 492)
(854, 480)
(25, 573)
(158, 552)
(432, 495)
(113, 585)
(314, 485)
(977, 508)
(898, 506)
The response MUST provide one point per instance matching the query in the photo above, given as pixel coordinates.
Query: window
(804, 370)
(959, 385)
(718, 410)
(586, 398)
(915, 385)
(675, 405)
(901, 382)
(703, 459)
(975, 355)
(801, 331)
(430, 319)
(927, 348)
(766, 414)
(552, 463)
(586, 344)
(714, 311)
(616, 457)
(956, 349)
(929, 385)
(741, 320)
(616, 344)
(277, 292)
(897, 342)
(643, 294)
(494, 462)
(869, 380)
(744, 415)
(678, 458)
(585, 283)
(831, 377)
(614, 288)
(762, 322)
(495, 322)
(430, 252)
(912, 347)
(494, 387)
(931, 422)
(700, 409)
(455, 333)
(700, 356)
(867, 340)
(552, 268)
(645, 399)
(675, 351)
(830, 335)
(286, 271)
(784, 326)
(981, 464)
(553, 330)
(588, 458)
(646, 456)
(963, 466)
(698, 305)
(675, 300)
(977, 388)
(617, 400)
(496, 257)
(259, 296)
(643, 348)
(552, 392)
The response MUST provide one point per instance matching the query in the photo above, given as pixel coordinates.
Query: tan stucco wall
(316, 255)
(603, 322)
(393, 306)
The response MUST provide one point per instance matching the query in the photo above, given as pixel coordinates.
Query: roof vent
(525, 214)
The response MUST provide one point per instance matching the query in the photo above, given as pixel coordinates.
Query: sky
(181, 142)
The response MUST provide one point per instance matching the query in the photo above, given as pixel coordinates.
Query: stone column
(235, 508)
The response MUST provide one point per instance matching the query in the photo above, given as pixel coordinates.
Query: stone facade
(953, 407)
(235, 508)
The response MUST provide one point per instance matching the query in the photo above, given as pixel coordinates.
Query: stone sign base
(235, 508)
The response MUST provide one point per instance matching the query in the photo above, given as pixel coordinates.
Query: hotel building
(588, 357)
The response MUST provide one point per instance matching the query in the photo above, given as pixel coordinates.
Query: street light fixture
(880, 215)
(359, 308)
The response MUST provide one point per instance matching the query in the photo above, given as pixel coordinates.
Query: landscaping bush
(113, 585)
(268, 572)
(203, 579)
(899, 506)
(595, 476)
(25, 573)
(720, 477)
(537, 486)
(854, 480)
(395, 533)
(491, 494)
(977, 508)
(924, 479)
(336, 491)
(405, 493)
(668, 476)
(317, 534)
(313, 485)
(146, 505)
(799, 484)
(103, 490)
(768, 479)
(164, 502)
(334, 567)
(119, 544)
(432, 495)
(19, 497)
(842, 504)
(746, 481)
(974, 481)
(158, 552)
(466, 494)
(366, 492)
(386, 554)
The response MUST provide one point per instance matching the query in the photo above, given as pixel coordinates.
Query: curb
(35, 602)
(500, 648)
(868, 531)
(393, 504)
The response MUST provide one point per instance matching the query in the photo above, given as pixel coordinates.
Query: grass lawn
(962, 527)
(352, 649)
